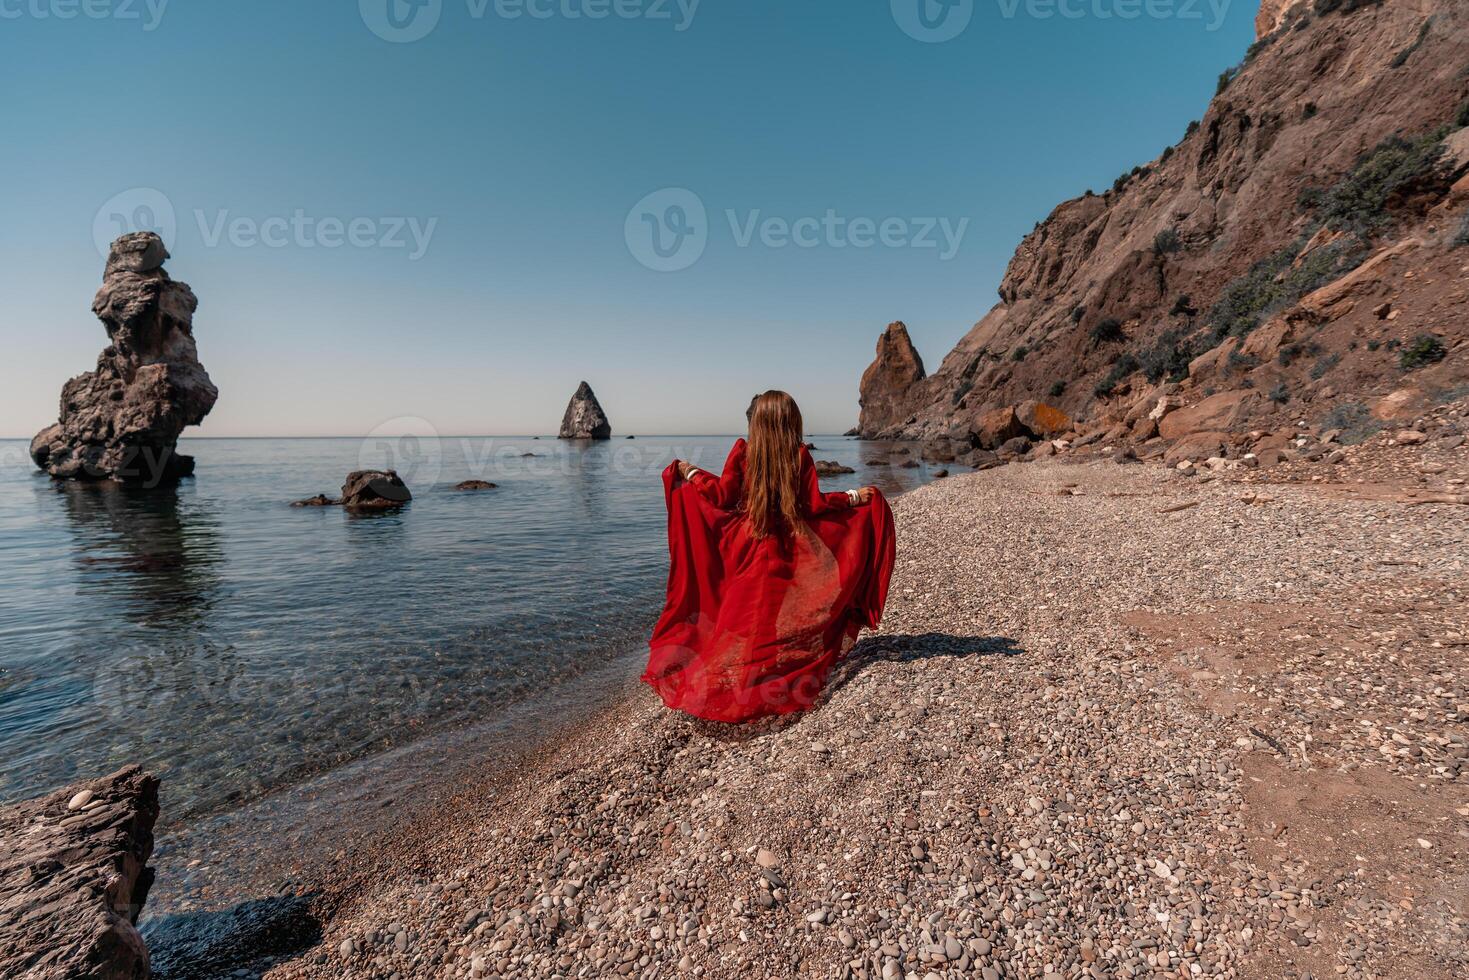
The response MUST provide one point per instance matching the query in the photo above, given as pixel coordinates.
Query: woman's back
(769, 579)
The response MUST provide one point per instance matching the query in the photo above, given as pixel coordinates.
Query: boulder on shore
(584, 418)
(994, 428)
(374, 490)
(73, 878)
(122, 421)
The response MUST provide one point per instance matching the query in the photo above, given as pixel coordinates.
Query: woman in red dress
(769, 579)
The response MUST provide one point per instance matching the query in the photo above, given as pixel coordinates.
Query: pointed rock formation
(122, 421)
(73, 877)
(584, 418)
(887, 384)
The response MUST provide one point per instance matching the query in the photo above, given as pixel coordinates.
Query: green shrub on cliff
(1425, 349)
(1108, 331)
(1275, 282)
(1359, 201)
(1169, 357)
(1121, 368)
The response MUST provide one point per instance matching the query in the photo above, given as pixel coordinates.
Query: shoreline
(1052, 760)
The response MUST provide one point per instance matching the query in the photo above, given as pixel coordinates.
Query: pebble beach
(1118, 722)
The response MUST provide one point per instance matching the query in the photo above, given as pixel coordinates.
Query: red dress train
(752, 626)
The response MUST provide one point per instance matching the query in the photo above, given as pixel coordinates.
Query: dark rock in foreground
(584, 418)
(73, 878)
(122, 421)
(374, 490)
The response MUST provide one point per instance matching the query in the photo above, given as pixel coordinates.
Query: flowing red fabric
(753, 626)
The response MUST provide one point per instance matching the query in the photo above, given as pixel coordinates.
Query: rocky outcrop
(1300, 241)
(368, 490)
(1274, 13)
(73, 877)
(830, 467)
(887, 384)
(584, 418)
(122, 421)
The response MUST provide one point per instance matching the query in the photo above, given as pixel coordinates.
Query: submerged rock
(73, 878)
(475, 485)
(830, 467)
(374, 490)
(584, 418)
(320, 500)
(122, 421)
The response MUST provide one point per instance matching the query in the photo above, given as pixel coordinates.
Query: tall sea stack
(122, 421)
(887, 384)
(584, 418)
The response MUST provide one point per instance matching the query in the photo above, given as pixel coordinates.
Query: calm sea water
(237, 645)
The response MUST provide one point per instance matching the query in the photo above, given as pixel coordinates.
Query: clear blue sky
(527, 141)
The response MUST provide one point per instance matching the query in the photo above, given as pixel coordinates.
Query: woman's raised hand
(866, 494)
(684, 469)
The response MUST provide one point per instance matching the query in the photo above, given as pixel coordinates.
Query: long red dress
(753, 626)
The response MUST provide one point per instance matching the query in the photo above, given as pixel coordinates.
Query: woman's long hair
(773, 464)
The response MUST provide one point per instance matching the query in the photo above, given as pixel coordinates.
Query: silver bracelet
(854, 497)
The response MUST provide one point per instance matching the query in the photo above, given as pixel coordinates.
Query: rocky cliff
(122, 421)
(1305, 244)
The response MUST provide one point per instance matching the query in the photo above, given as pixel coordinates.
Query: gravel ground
(1097, 736)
